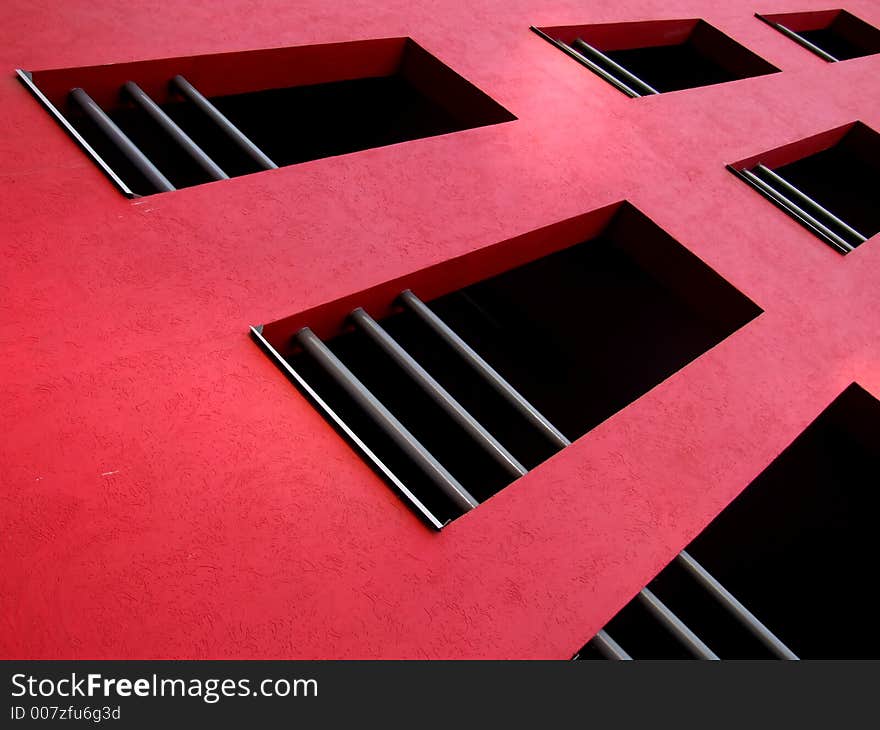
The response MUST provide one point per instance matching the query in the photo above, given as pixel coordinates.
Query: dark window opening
(579, 333)
(799, 544)
(647, 58)
(258, 110)
(832, 35)
(585, 331)
(389, 110)
(670, 68)
(797, 548)
(844, 178)
(831, 191)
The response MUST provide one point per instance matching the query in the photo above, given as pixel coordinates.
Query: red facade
(167, 493)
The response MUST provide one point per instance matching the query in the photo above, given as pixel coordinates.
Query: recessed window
(785, 570)
(826, 182)
(155, 126)
(653, 57)
(834, 35)
(459, 379)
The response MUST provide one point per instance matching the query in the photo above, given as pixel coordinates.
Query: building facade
(177, 484)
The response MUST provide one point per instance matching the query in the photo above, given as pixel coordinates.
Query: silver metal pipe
(583, 60)
(628, 75)
(675, 625)
(436, 392)
(797, 38)
(781, 182)
(597, 69)
(730, 602)
(120, 140)
(384, 419)
(257, 333)
(488, 373)
(608, 647)
(170, 127)
(228, 128)
(798, 212)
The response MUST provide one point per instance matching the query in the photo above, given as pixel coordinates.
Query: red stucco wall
(167, 493)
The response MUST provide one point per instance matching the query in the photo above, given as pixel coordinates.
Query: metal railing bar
(436, 392)
(26, 78)
(170, 127)
(239, 138)
(775, 197)
(120, 140)
(609, 648)
(385, 420)
(730, 602)
(628, 75)
(797, 38)
(806, 200)
(257, 333)
(584, 61)
(478, 364)
(675, 625)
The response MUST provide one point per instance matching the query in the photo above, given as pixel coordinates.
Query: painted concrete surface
(167, 493)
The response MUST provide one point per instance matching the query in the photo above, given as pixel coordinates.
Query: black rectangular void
(580, 329)
(665, 55)
(834, 176)
(290, 104)
(798, 548)
(837, 34)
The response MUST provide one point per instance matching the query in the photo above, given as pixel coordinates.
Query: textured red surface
(167, 493)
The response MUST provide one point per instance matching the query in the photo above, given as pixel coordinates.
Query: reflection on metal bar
(385, 420)
(121, 141)
(608, 647)
(793, 210)
(797, 38)
(628, 76)
(169, 126)
(489, 374)
(234, 133)
(729, 601)
(807, 201)
(257, 333)
(597, 69)
(583, 60)
(437, 393)
(26, 78)
(675, 625)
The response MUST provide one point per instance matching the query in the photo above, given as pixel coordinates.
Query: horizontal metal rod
(628, 75)
(484, 369)
(675, 625)
(584, 61)
(437, 393)
(608, 647)
(798, 38)
(793, 210)
(228, 128)
(257, 333)
(385, 420)
(807, 201)
(120, 140)
(170, 127)
(730, 602)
